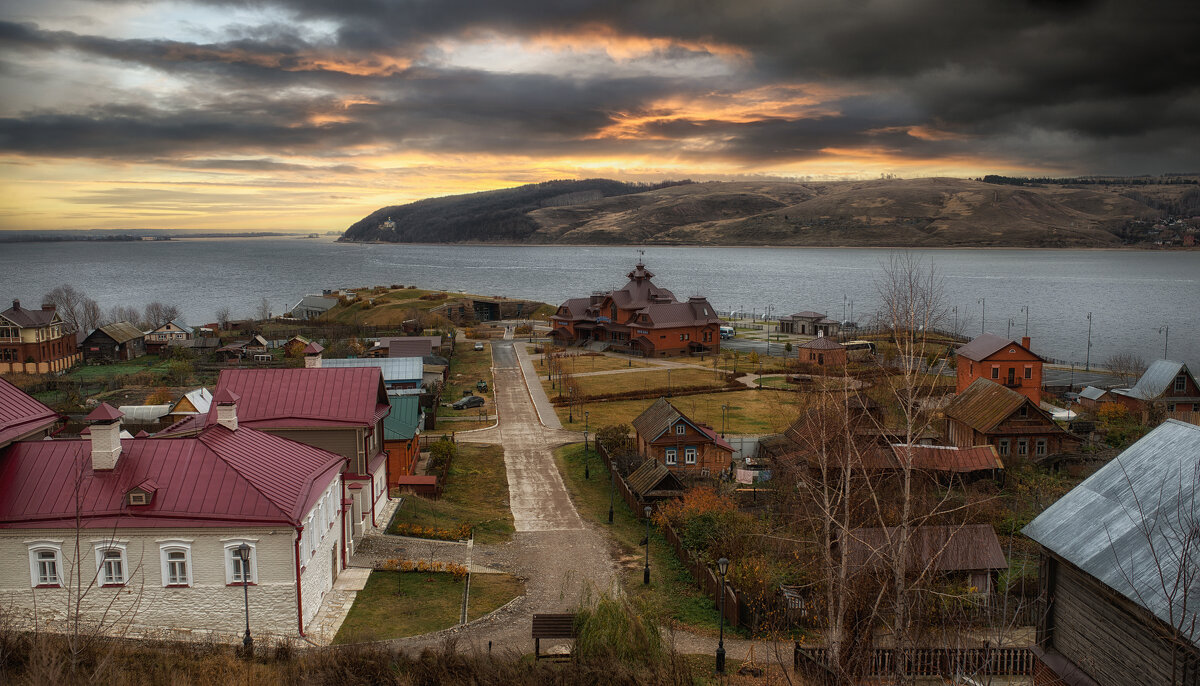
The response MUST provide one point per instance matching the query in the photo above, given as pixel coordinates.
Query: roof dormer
(142, 494)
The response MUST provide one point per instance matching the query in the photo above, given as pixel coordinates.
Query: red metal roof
(225, 396)
(339, 396)
(939, 458)
(821, 343)
(20, 414)
(313, 348)
(104, 413)
(217, 478)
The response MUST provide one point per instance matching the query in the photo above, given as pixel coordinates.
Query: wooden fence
(635, 504)
(944, 662)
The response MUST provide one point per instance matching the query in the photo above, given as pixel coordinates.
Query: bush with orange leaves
(708, 522)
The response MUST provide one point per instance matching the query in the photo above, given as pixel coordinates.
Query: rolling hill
(931, 212)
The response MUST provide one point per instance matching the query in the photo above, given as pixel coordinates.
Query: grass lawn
(425, 602)
(769, 365)
(642, 381)
(467, 368)
(476, 492)
(672, 596)
(581, 364)
(750, 411)
(92, 372)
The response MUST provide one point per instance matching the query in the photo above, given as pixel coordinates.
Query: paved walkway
(336, 605)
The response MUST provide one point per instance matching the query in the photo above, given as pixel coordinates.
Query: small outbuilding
(116, 342)
(822, 352)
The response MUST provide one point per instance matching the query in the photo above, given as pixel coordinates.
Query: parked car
(479, 345)
(467, 402)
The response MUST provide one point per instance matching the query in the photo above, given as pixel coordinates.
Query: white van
(727, 332)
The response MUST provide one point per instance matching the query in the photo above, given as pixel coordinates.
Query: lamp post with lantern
(722, 566)
(243, 552)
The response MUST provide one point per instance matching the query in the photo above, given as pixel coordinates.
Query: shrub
(612, 631)
(441, 453)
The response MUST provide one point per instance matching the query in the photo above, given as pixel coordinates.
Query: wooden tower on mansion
(640, 318)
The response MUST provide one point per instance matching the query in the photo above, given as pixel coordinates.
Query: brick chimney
(16, 305)
(312, 356)
(105, 436)
(49, 307)
(1025, 341)
(226, 402)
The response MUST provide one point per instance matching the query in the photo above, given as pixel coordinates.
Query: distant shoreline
(498, 244)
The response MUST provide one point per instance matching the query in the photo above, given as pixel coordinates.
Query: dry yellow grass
(750, 411)
(649, 381)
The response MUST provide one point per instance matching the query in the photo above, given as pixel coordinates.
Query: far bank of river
(1132, 294)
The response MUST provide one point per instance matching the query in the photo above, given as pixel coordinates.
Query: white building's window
(689, 455)
(672, 456)
(45, 563)
(112, 566)
(176, 562)
(235, 571)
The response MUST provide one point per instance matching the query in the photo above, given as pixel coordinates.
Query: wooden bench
(551, 626)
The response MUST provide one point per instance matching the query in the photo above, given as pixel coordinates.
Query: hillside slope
(932, 212)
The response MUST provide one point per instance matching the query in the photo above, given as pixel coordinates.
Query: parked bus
(859, 350)
(727, 332)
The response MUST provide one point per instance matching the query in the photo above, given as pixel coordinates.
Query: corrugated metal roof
(652, 477)
(316, 302)
(200, 398)
(143, 414)
(985, 403)
(404, 421)
(305, 397)
(394, 369)
(1092, 393)
(940, 458)
(1126, 525)
(1158, 378)
(20, 414)
(985, 345)
(403, 348)
(121, 332)
(943, 548)
(219, 478)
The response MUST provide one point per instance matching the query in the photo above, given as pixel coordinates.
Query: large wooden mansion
(641, 319)
(36, 341)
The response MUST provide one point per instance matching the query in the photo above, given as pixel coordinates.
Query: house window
(45, 563)
(111, 564)
(176, 561)
(689, 455)
(1028, 372)
(995, 372)
(672, 456)
(1023, 413)
(234, 572)
(1171, 407)
(1022, 447)
(1004, 447)
(680, 429)
(1180, 383)
(1040, 447)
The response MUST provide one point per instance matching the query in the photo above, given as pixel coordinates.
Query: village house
(970, 552)
(171, 332)
(407, 346)
(313, 306)
(809, 324)
(1094, 398)
(653, 482)
(36, 341)
(668, 437)
(23, 418)
(1119, 580)
(1003, 361)
(821, 352)
(194, 402)
(116, 342)
(640, 319)
(336, 409)
(1167, 384)
(988, 413)
(398, 372)
(135, 524)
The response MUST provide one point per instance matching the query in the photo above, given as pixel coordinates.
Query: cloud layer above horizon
(308, 114)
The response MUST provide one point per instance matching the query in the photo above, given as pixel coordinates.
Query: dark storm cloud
(1096, 84)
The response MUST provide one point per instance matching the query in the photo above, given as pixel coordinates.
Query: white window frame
(1022, 447)
(102, 548)
(1004, 447)
(996, 372)
(1028, 371)
(671, 456)
(175, 545)
(689, 454)
(1040, 447)
(231, 547)
(1181, 383)
(36, 547)
(680, 429)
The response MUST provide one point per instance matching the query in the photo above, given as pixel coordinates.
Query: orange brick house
(665, 435)
(1008, 363)
(36, 341)
(822, 352)
(641, 319)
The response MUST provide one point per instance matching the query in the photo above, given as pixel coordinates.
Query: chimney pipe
(1025, 341)
(49, 307)
(226, 402)
(16, 305)
(312, 356)
(105, 437)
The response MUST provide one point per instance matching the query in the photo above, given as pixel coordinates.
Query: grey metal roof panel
(1092, 393)
(393, 368)
(1157, 379)
(1123, 524)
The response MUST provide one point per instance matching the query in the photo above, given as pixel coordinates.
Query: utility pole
(1087, 362)
(1166, 332)
(983, 318)
(1009, 334)
(956, 320)
(1025, 309)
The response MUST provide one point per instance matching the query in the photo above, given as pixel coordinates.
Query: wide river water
(1130, 294)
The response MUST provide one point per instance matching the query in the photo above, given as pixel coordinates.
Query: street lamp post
(1010, 323)
(1166, 332)
(612, 487)
(1025, 309)
(956, 320)
(1087, 361)
(646, 571)
(722, 566)
(983, 317)
(724, 409)
(244, 554)
(587, 472)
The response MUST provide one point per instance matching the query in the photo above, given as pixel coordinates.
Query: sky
(309, 114)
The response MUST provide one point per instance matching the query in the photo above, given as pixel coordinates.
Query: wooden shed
(118, 341)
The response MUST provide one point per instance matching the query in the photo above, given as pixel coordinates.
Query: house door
(1012, 376)
(821, 358)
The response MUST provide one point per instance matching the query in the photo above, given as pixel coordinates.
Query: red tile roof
(821, 343)
(343, 396)
(217, 478)
(20, 414)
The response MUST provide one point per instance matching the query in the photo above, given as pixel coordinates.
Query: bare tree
(90, 315)
(263, 313)
(223, 316)
(158, 313)
(1127, 366)
(124, 313)
(69, 301)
